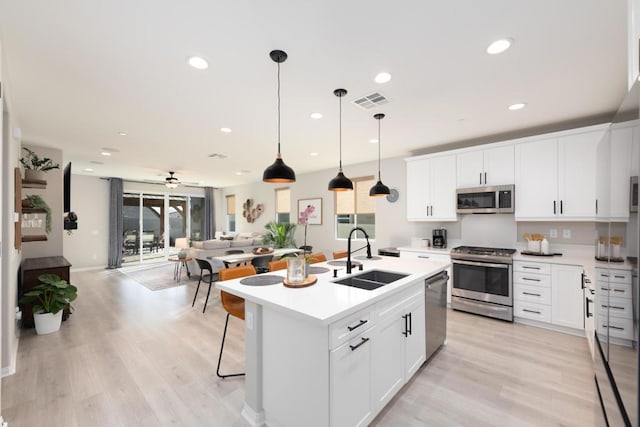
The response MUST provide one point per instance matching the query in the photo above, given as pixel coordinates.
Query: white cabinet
(555, 178)
(431, 185)
(614, 308)
(567, 296)
(433, 256)
(493, 166)
(398, 343)
(351, 382)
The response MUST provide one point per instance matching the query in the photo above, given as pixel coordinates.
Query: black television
(67, 188)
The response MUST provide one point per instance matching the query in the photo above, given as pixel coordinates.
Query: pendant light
(379, 189)
(278, 172)
(340, 182)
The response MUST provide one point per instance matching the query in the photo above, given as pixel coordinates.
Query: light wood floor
(129, 356)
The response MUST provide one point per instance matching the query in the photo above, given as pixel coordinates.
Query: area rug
(156, 277)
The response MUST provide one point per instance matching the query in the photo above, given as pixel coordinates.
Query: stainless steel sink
(371, 280)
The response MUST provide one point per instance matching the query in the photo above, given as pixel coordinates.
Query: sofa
(247, 242)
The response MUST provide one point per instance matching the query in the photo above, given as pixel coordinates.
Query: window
(231, 212)
(356, 209)
(283, 204)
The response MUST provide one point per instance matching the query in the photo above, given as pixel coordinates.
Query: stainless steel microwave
(486, 200)
(633, 194)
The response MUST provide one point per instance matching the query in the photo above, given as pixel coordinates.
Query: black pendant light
(379, 189)
(278, 172)
(340, 182)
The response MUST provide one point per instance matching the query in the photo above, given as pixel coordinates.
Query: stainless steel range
(482, 281)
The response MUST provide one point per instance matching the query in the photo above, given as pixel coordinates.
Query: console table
(32, 268)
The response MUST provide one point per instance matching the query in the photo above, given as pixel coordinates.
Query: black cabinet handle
(406, 325)
(530, 311)
(615, 307)
(613, 327)
(532, 294)
(410, 324)
(481, 178)
(560, 207)
(589, 301)
(596, 206)
(530, 280)
(351, 328)
(355, 347)
(485, 177)
(618, 277)
(531, 268)
(554, 207)
(618, 290)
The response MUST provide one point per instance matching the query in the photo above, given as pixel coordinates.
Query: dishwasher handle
(440, 277)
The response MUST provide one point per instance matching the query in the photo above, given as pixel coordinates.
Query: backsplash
(581, 233)
(488, 230)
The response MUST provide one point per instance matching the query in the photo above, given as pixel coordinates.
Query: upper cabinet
(431, 189)
(493, 166)
(556, 178)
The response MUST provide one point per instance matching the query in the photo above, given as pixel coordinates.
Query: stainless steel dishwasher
(436, 311)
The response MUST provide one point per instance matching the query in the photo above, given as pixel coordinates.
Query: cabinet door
(418, 190)
(566, 296)
(470, 169)
(536, 165)
(620, 172)
(499, 166)
(443, 188)
(415, 344)
(350, 382)
(635, 150)
(386, 360)
(577, 175)
(603, 174)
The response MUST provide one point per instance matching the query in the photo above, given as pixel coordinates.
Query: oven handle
(480, 264)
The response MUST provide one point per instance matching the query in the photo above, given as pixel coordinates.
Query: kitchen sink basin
(371, 280)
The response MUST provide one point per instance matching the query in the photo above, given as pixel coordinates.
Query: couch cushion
(215, 244)
(257, 241)
(198, 244)
(241, 243)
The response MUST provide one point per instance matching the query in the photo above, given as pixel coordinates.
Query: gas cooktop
(483, 253)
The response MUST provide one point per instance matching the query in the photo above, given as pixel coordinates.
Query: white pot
(33, 175)
(47, 323)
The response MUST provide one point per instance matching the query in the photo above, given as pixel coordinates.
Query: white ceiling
(77, 72)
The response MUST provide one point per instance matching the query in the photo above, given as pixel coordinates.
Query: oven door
(483, 281)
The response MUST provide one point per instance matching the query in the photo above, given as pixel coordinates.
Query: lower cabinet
(567, 306)
(433, 256)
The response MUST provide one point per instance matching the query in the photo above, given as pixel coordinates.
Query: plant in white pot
(49, 299)
(35, 166)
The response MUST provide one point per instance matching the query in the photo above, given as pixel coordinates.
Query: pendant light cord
(340, 121)
(278, 110)
(379, 143)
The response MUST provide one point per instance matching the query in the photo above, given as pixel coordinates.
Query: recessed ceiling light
(382, 77)
(122, 133)
(198, 63)
(316, 116)
(518, 106)
(87, 170)
(313, 154)
(499, 46)
(105, 153)
(96, 162)
(225, 130)
(243, 172)
(373, 141)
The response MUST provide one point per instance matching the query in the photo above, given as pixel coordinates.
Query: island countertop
(325, 301)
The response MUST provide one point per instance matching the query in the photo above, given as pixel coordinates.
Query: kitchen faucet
(366, 236)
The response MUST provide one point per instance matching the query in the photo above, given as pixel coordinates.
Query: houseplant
(35, 201)
(34, 166)
(279, 235)
(49, 299)
(303, 219)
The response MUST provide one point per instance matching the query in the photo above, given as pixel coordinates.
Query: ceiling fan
(171, 181)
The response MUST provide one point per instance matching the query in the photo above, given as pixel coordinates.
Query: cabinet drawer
(618, 307)
(532, 267)
(425, 255)
(613, 276)
(531, 310)
(536, 294)
(531, 279)
(618, 328)
(344, 329)
(399, 302)
(616, 290)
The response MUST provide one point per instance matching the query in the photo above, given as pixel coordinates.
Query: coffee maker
(439, 238)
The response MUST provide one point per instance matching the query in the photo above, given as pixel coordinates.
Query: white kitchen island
(330, 354)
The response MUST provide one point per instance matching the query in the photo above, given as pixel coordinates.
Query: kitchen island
(330, 354)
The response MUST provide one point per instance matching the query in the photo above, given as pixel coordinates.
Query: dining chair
(340, 254)
(306, 248)
(280, 264)
(317, 257)
(261, 263)
(233, 252)
(209, 276)
(233, 305)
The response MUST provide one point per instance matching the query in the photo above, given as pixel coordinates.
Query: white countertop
(425, 249)
(325, 301)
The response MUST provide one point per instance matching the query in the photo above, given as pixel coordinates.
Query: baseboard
(255, 419)
(550, 327)
(97, 267)
(11, 369)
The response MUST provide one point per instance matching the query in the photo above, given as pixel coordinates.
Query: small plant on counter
(31, 161)
(35, 201)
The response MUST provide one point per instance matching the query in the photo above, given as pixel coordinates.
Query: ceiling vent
(218, 156)
(371, 101)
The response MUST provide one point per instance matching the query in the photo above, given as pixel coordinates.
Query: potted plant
(49, 299)
(279, 235)
(34, 166)
(35, 201)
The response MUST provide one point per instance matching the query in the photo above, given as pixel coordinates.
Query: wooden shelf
(34, 183)
(33, 211)
(35, 238)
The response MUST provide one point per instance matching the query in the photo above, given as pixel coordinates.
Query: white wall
(88, 246)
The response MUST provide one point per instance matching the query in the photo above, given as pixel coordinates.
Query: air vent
(371, 101)
(218, 156)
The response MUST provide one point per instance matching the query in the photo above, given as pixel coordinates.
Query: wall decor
(315, 218)
(251, 213)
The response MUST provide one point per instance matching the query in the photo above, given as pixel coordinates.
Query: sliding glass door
(152, 226)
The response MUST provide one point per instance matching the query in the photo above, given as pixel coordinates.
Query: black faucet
(366, 236)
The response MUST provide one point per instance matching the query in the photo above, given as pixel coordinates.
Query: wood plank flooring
(133, 357)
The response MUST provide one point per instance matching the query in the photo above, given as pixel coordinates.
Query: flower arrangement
(303, 219)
